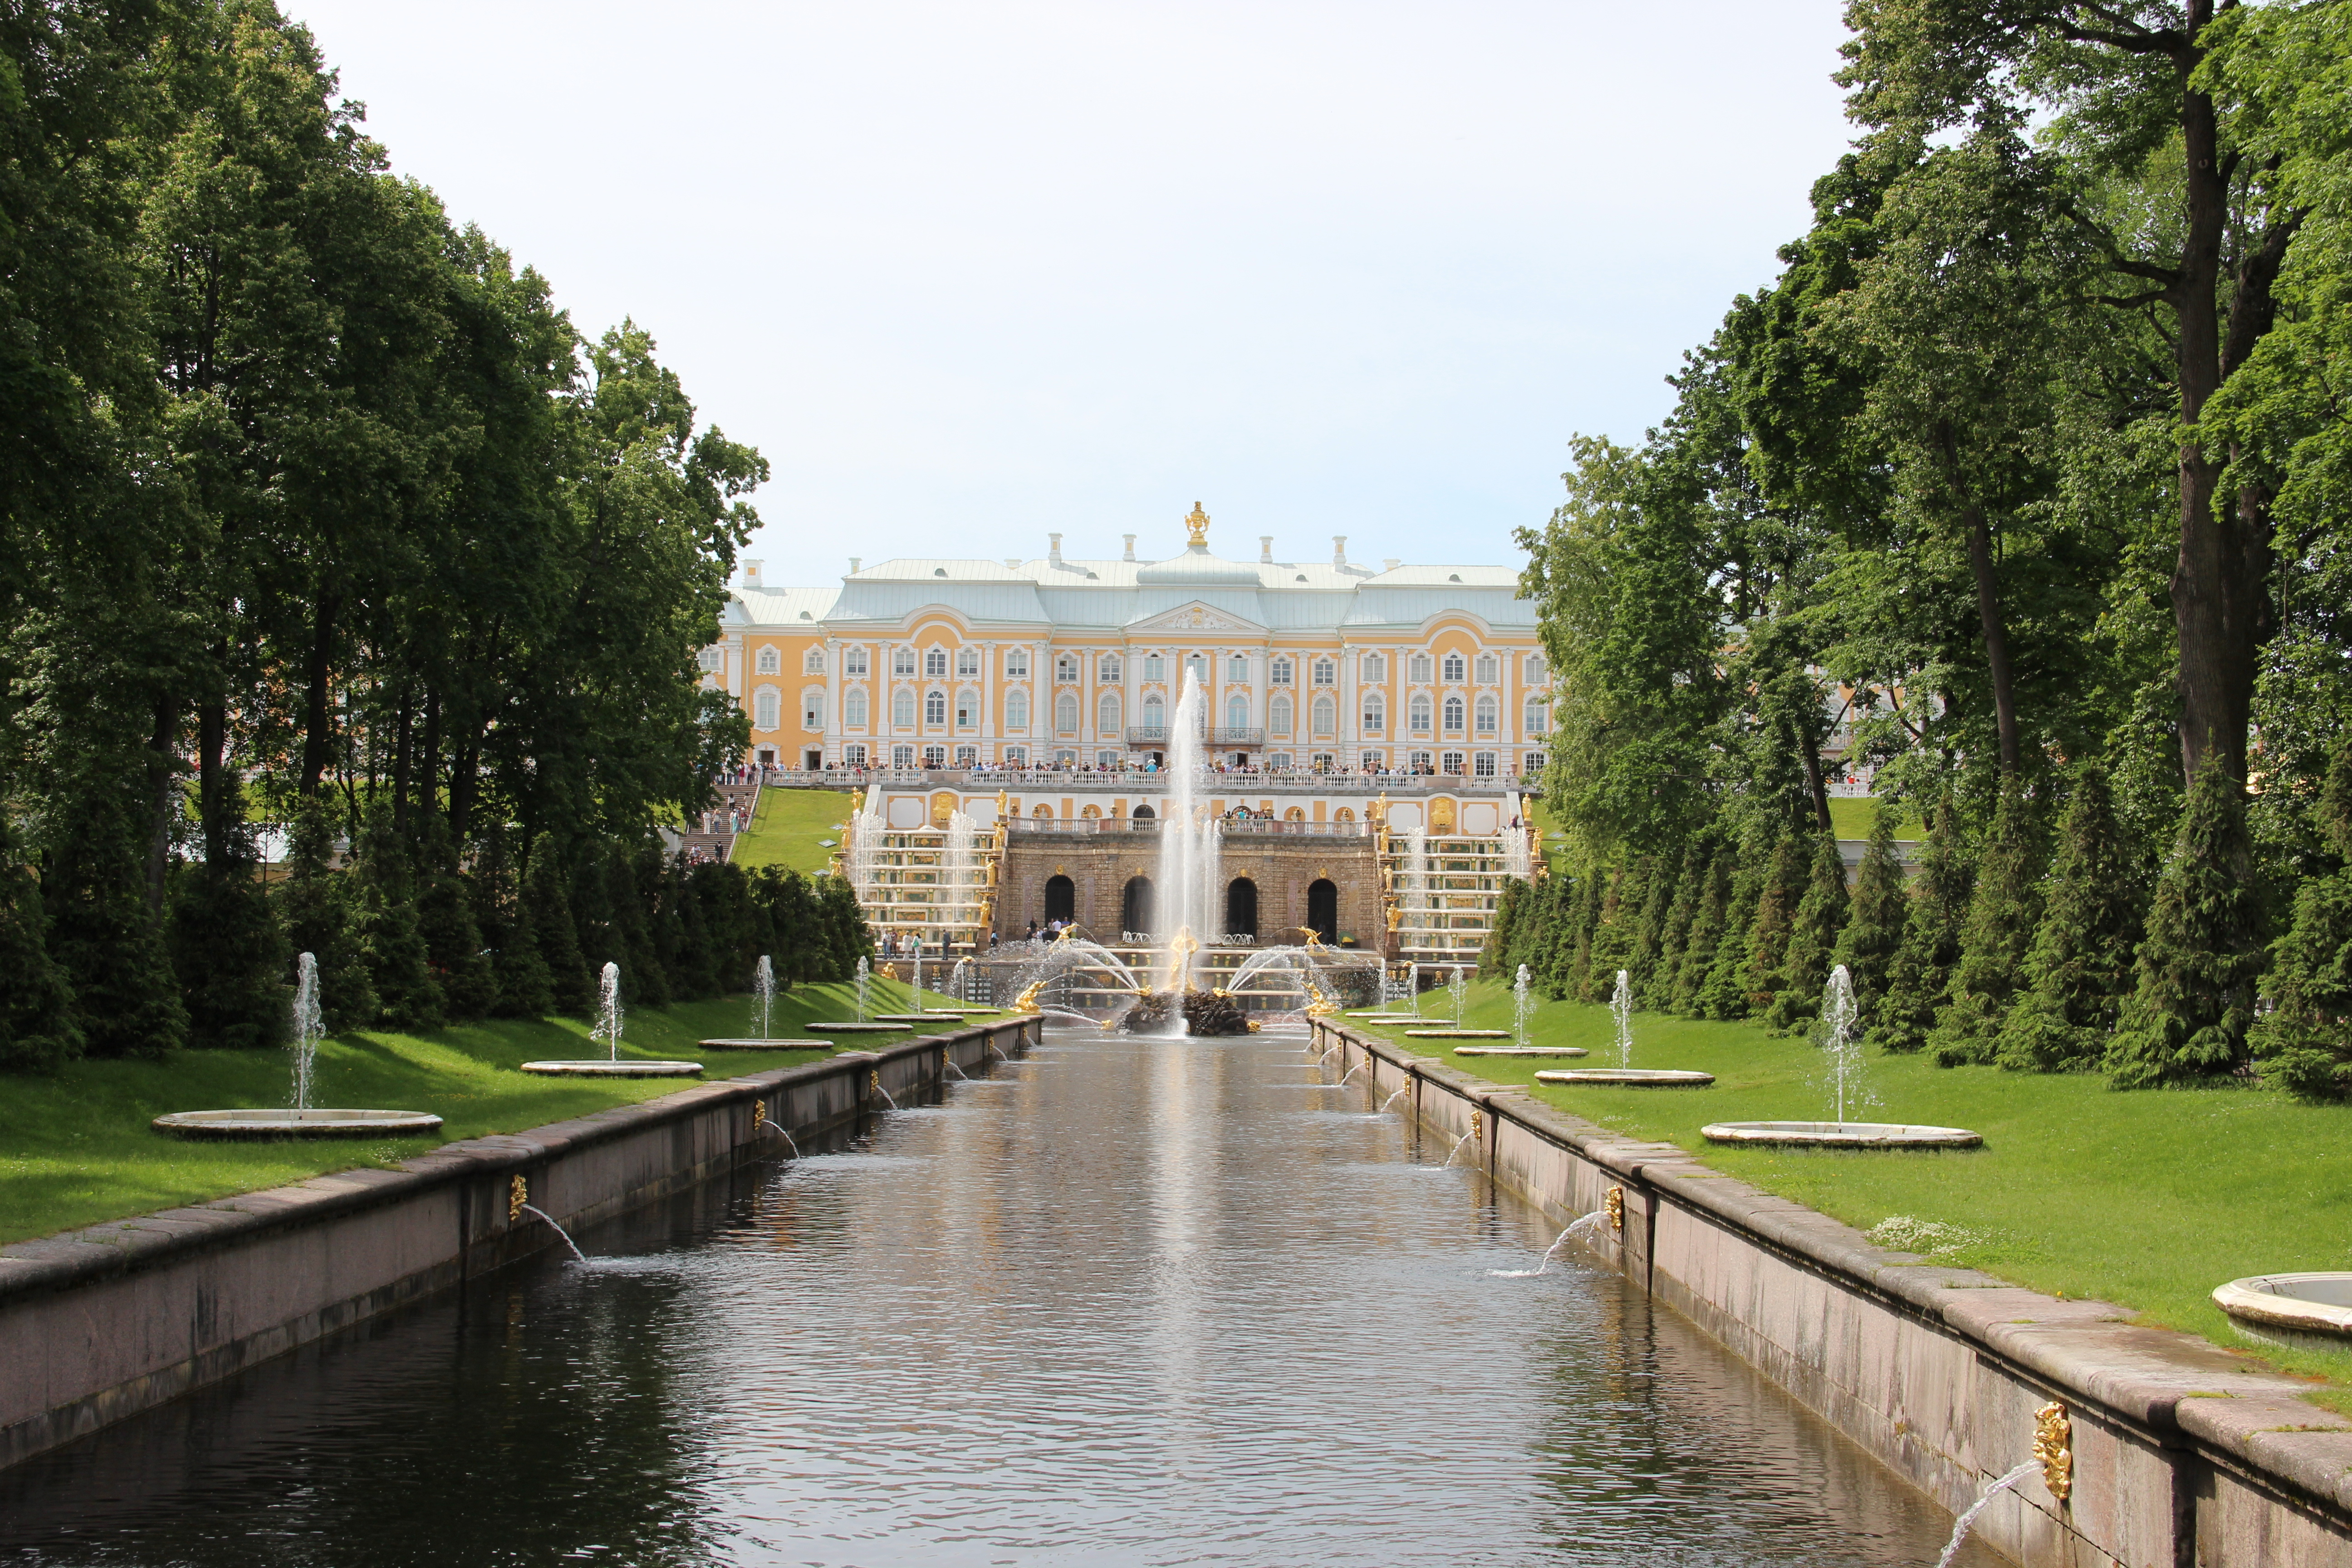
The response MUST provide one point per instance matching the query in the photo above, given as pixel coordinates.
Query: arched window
(852, 708)
(1016, 710)
(771, 662)
(1241, 908)
(1454, 715)
(1486, 711)
(1327, 673)
(1455, 667)
(1237, 712)
(935, 708)
(967, 663)
(1488, 671)
(1155, 712)
(1279, 674)
(1278, 714)
(1146, 813)
(902, 710)
(1066, 714)
(1327, 715)
(1061, 893)
(1539, 716)
(935, 662)
(813, 662)
(1323, 907)
(1135, 911)
(1375, 666)
(767, 709)
(1418, 712)
(1376, 713)
(1106, 714)
(1418, 666)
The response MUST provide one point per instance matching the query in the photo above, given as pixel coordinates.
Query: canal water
(1126, 1302)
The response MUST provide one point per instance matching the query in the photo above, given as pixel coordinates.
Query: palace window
(853, 756)
(902, 711)
(813, 662)
(1539, 716)
(1155, 713)
(1489, 670)
(1016, 664)
(935, 708)
(1454, 715)
(1419, 712)
(813, 712)
(935, 662)
(852, 662)
(767, 709)
(902, 661)
(1418, 762)
(1483, 765)
(1154, 668)
(1456, 666)
(967, 710)
(1486, 713)
(1450, 763)
(1323, 763)
(1106, 714)
(1539, 669)
(1278, 714)
(1199, 665)
(1376, 713)
(1327, 672)
(1278, 674)
(1418, 666)
(1016, 710)
(853, 709)
(1327, 715)
(1017, 756)
(711, 658)
(1373, 762)
(1375, 666)
(1277, 761)
(1065, 668)
(1236, 713)
(1066, 714)
(968, 663)
(902, 756)
(967, 757)
(935, 757)
(1237, 668)
(771, 662)
(1107, 668)
(1533, 762)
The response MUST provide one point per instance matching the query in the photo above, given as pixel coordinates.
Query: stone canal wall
(99, 1324)
(2181, 1457)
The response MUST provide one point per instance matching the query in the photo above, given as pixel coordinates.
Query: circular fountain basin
(766, 1045)
(1457, 1034)
(2297, 1311)
(933, 1016)
(296, 1124)
(1842, 1134)
(871, 1027)
(605, 1068)
(1387, 1017)
(1521, 1051)
(1631, 1077)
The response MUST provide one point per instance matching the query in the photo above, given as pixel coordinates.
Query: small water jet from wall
(1575, 1231)
(1967, 1521)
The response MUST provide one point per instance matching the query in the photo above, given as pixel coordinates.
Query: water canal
(1127, 1301)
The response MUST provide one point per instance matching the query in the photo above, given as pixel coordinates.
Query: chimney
(1053, 548)
(1130, 547)
(751, 573)
(1338, 550)
(1266, 547)
(1390, 563)
(855, 561)
(1013, 562)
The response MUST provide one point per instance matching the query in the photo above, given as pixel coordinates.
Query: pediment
(1196, 618)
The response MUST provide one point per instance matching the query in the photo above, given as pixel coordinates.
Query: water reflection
(1149, 1306)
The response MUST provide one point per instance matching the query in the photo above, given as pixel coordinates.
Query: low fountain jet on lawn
(608, 1029)
(1841, 1042)
(1625, 1075)
(763, 1004)
(1523, 1015)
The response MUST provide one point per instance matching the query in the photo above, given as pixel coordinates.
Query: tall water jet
(1188, 843)
(1457, 988)
(608, 1012)
(1840, 1045)
(957, 983)
(764, 992)
(865, 990)
(1416, 883)
(309, 1026)
(1621, 1010)
(1523, 1006)
(956, 871)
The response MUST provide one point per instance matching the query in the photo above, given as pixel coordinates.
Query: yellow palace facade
(1313, 667)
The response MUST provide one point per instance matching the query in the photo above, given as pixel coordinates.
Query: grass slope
(788, 825)
(2148, 1200)
(1851, 816)
(76, 1149)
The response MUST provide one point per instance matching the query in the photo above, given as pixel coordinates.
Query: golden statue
(1396, 917)
(1197, 526)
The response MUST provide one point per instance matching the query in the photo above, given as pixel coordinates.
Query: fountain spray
(1189, 847)
(1458, 988)
(608, 1012)
(308, 1027)
(919, 971)
(1523, 1006)
(865, 986)
(1839, 1042)
(763, 987)
(1621, 1008)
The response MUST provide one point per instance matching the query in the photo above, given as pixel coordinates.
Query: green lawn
(76, 1148)
(790, 826)
(2148, 1200)
(1852, 816)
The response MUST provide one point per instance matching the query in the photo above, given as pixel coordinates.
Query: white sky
(968, 274)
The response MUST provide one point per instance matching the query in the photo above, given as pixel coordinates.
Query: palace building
(1314, 666)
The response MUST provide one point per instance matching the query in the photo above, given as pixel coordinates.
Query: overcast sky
(968, 274)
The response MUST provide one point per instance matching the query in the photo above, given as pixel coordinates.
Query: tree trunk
(1989, 613)
(162, 774)
(317, 718)
(211, 785)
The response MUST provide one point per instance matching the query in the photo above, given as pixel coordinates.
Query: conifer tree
(546, 904)
(692, 976)
(2305, 1044)
(851, 937)
(2188, 1016)
(1812, 943)
(1572, 947)
(2080, 970)
(1723, 994)
(314, 909)
(1775, 922)
(37, 1026)
(1996, 935)
(1674, 932)
(1709, 916)
(1919, 979)
(1657, 907)
(228, 948)
(591, 910)
(631, 903)
(453, 940)
(1617, 942)
(383, 899)
(521, 968)
(106, 937)
(1494, 956)
(1881, 900)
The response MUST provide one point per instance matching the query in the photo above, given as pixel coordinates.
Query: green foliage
(1775, 922)
(1919, 980)
(227, 949)
(37, 1026)
(2188, 1017)
(1710, 916)
(1996, 934)
(453, 947)
(1689, 889)
(549, 901)
(314, 909)
(2079, 969)
(2304, 1043)
(1820, 923)
(1881, 902)
(1723, 993)
(383, 906)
